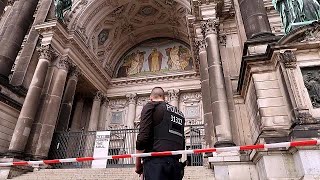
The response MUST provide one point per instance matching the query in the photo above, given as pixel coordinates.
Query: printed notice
(101, 147)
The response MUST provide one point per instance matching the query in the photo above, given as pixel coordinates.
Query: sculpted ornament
(131, 98)
(99, 96)
(297, 11)
(201, 45)
(209, 26)
(62, 6)
(288, 58)
(45, 52)
(311, 78)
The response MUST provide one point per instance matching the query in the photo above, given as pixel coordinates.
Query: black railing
(122, 141)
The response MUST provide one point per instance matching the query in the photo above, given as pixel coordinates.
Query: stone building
(227, 64)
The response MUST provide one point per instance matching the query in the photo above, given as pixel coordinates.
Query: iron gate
(122, 141)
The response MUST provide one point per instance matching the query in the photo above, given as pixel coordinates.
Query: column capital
(64, 63)
(99, 96)
(105, 101)
(201, 45)
(132, 98)
(174, 94)
(209, 26)
(75, 72)
(45, 52)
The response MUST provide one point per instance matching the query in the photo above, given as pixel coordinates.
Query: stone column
(14, 34)
(255, 18)
(67, 101)
(95, 111)
(77, 117)
(31, 103)
(219, 102)
(103, 114)
(3, 4)
(132, 99)
(205, 92)
(52, 112)
(174, 97)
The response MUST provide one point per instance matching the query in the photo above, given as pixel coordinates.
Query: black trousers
(162, 168)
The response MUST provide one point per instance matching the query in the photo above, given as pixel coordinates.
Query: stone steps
(191, 173)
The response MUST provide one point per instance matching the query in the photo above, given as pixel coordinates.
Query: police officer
(161, 129)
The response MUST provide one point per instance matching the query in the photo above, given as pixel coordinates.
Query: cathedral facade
(228, 65)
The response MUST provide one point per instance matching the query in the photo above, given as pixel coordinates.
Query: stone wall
(8, 120)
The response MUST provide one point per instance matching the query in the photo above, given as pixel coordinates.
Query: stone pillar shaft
(31, 103)
(205, 91)
(67, 101)
(95, 111)
(77, 117)
(254, 18)
(219, 102)
(103, 113)
(131, 110)
(51, 115)
(25, 64)
(13, 36)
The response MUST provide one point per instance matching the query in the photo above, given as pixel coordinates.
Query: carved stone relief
(311, 78)
(288, 58)
(191, 107)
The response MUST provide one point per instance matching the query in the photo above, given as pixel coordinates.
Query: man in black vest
(161, 129)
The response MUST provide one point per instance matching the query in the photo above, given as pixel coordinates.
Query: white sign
(101, 147)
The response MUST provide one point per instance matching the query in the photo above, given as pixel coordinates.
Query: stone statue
(295, 11)
(61, 7)
(312, 83)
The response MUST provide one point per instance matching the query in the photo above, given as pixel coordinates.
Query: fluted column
(255, 18)
(174, 97)
(103, 114)
(15, 30)
(95, 111)
(67, 101)
(52, 111)
(205, 92)
(219, 103)
(132, 100)
(77, 117)
(3, 4)
(31, 103)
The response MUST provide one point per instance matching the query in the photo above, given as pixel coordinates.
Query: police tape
(314, 142)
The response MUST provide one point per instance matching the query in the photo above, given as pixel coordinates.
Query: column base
(224, 144)
(14, 171)
(15, 154)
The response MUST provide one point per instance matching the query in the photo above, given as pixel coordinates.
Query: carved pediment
(307, 33)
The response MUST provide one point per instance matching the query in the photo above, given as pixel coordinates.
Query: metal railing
(122, 141)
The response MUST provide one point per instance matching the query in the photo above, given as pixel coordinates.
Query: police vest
(171, 128)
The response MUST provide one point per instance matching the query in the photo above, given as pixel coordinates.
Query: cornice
(153, 78)
(70, 44)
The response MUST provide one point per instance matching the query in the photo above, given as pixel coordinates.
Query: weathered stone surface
(14, 34)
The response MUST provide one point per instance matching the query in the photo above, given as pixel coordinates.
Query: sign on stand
(101, 147)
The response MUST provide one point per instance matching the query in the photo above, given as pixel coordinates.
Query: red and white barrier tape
(169, 153)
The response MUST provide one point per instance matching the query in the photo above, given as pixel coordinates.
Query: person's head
(157, 94)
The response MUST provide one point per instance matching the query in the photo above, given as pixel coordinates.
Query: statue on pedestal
(61, 7)
(297, 11)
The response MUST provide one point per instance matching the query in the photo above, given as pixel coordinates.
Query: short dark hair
(157, 92)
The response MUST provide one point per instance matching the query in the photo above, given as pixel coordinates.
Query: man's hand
(139, 167)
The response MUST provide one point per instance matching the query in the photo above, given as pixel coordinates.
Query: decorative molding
(142, 101)
(209, 26)
(288, 58)
(191, 97)
(117, 103)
